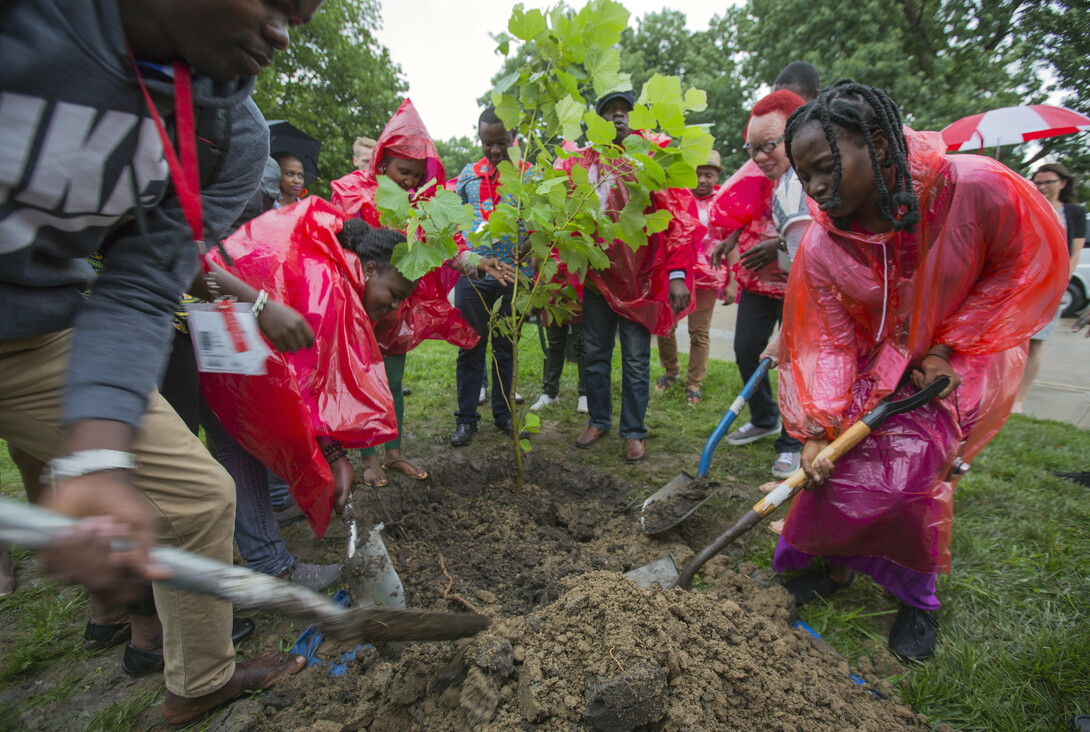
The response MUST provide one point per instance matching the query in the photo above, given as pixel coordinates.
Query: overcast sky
(448, 58)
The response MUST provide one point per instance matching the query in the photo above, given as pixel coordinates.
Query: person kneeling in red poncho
(917, 264)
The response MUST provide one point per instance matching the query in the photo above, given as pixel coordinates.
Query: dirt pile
(573, 645)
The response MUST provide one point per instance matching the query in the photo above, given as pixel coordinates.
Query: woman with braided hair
(918, 265)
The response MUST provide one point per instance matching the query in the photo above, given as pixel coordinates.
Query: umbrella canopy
(286, 137)
(1012, 126)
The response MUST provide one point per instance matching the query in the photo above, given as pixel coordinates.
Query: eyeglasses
(766, 148)
(1040, 183)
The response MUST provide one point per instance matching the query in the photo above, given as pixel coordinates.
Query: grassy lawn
(1014, 643)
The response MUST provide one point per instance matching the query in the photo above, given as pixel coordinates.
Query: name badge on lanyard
(225, 333)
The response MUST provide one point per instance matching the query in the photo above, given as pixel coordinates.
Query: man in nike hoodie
(82, 169)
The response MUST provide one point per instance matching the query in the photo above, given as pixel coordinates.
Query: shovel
(681, 497)
(787, 489)
(35, 528)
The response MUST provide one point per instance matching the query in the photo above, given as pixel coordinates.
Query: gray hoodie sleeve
(123, 331)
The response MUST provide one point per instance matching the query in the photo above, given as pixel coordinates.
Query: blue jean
(470, 370)
(256, 531)
(757, 318)
(600, 327)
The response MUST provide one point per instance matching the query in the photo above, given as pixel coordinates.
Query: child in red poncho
(921, 264)
(406, 154)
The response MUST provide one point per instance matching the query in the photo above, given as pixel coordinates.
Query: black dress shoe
(914, 633)
(103, 635)
(508, 429)
(463, 434)
(135, 662)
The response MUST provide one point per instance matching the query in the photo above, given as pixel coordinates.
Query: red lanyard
(184, 172)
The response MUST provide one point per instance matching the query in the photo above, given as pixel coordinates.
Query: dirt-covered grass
(1014, 643)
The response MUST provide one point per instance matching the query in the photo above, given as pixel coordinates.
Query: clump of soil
(662, 514)
(573, 644)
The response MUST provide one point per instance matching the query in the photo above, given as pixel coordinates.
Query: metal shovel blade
(676, 501)
(367, 568)
(35, 528)
(662, 572)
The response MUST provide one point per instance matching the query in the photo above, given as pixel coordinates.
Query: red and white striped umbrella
(1012, 126)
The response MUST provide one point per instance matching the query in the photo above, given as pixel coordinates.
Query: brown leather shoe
(590, 435)
(255, 674)
(634, 451)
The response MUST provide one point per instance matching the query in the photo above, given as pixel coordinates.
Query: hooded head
(406, 138)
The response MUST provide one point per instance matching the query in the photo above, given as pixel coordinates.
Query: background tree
(939, 59)
(335, 82)
(456, 153)
(1061, 36)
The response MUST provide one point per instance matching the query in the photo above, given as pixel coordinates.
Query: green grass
(1014, 641)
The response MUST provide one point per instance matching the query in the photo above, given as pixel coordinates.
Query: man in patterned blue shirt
(478, 185)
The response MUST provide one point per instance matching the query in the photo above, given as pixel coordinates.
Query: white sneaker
(484, 396)
(786, 464)
(749, 432)
(582, 408)
(519, 398)
(543, 401)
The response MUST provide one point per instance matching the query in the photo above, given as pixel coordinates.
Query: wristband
(259, 303)
(84, 462)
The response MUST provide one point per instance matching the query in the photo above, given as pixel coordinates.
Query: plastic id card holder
(226, 339)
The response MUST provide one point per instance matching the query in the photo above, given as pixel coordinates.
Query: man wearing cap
(710, 282)
(642, 292)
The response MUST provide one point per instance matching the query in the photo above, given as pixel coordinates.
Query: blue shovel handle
(728, 418)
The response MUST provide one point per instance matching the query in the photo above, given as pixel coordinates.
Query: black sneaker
(914, 633)
(812, 584)
(463, 434)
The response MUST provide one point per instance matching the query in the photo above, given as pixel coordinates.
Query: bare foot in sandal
(373, 473)
(395, 461)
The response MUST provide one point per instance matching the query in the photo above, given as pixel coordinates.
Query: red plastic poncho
(336, 389)
(745, 203)
(426, 314)
(637, 283)
(707, 277)
(984, 270)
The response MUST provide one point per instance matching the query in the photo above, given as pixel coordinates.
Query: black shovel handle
(786, 490)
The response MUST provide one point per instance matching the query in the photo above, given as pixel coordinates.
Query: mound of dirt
(574, 644)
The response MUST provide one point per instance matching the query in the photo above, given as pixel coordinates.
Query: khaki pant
(192, 494)
(700, 323)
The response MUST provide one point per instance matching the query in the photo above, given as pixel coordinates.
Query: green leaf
(640, 118)
(507, 109)
(392, 202)
(604, 67)
(568, 113)
(524, 444)
(506, 82)
(599, 131)
(631, 220)
(525, 24)
(658, 221)
(415, 262)
(603, 22)
(532, 421)
(447, 210)
(503, 43)
(696, 100)
(661, 88)
(671, 117)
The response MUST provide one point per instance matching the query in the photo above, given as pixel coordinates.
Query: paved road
(1061, 390)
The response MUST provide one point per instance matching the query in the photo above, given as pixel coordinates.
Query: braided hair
(370, 245)
(864, 110)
